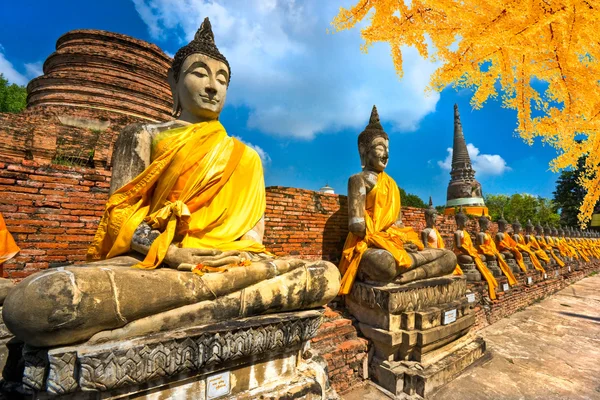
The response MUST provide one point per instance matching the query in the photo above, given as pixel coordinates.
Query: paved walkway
(551, 350)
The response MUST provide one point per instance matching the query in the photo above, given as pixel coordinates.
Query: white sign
(449, 317)
(529, 280)
(218, 385)
(471, 297)
(556, 273)
(545, 276)
(569, 268)
(505, 287)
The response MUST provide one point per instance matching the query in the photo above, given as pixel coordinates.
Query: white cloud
(264, 156)
(7, 69)
(9, 72)
(297, 80)
(483, 164)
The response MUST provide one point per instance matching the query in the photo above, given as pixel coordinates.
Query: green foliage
(569, 194)
(524, 207)
(13, 98)
(411, 200)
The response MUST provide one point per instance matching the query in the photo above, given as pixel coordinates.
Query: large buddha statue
(180, 242)
(379, 248)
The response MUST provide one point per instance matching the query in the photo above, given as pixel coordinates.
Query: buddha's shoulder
(151, 130)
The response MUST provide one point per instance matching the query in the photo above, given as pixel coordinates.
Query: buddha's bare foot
(222, 259)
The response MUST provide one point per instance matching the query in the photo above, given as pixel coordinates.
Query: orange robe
(539, 252)
(439, 244)
(508, 244)
(546, 246)
(489, 248)
(8, 247)
(381, 212)
(522, 246)
(577, 249)
(201, 184)
(467, 248)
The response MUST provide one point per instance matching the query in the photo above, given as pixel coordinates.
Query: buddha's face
(430, 219)
(483, 224)
(501, 226)
(375, 157)
(461, 222)
(202, 86)
(516, 229)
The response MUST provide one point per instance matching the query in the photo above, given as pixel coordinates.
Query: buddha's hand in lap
(411, 247)
(186, 259)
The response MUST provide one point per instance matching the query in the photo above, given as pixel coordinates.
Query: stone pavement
(551, 350)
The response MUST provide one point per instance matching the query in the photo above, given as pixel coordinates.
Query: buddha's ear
(361, 153)
(173, 85)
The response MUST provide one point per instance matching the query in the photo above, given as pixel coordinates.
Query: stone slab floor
(551, 350)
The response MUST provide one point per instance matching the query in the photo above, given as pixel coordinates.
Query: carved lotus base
(471, 272)
(243, 358)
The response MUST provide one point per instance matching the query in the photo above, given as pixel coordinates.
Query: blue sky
(301, 95)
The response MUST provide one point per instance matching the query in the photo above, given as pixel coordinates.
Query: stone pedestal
(470, 272)
(494, 268)
(242, 359)
(419, 331)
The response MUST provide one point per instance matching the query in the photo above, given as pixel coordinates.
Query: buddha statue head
(461, 219)
(484, 222)
(502, 223)
(547, 230)
(373, 145)
(561, 232)
(199, 78)
(539, 229)
(430, 215)
(529, 227)
(516, 226)
(554, 231)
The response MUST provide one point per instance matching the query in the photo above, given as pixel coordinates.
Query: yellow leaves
(544, 54)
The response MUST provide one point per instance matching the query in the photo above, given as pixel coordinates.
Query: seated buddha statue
(379, 248)
(8, 249)
(508, 248)
(533, 244)
(529, 256)
(180, 242)
(467, 255)
(552, 242)
(487, 247)
(431, 237)
(541, 239)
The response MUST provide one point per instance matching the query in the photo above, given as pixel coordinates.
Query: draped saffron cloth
(508, 244)
(466, 247)
(539, 252)
(201, 184)
(8, 247)
(489, 248)
(437, 242)
(577, 249)
(546, 246)
(522, 246)
(381, 212)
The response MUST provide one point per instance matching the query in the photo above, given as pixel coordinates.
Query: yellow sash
(203, 202)
(467, 247)
(382, 210)
(522, 246)
(441, 245)
(8, 247)
(508, 244)
(539, 252)
(489, 248)
(546, 246)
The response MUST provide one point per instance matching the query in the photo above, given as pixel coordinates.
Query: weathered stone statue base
(494, 268)
(240, 359)
(471, 272)
(420, 332)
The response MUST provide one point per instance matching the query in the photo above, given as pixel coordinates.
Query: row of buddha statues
(509, 254)
(181, 240)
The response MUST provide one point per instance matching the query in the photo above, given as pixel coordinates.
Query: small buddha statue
(541, 239)
(533, 244)
(508, 248)
(431, 237)
(379, 248)
(529, 257)
(468, 257)
(552, 241)
(487, 247)
(180, 242)
(491, 259)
